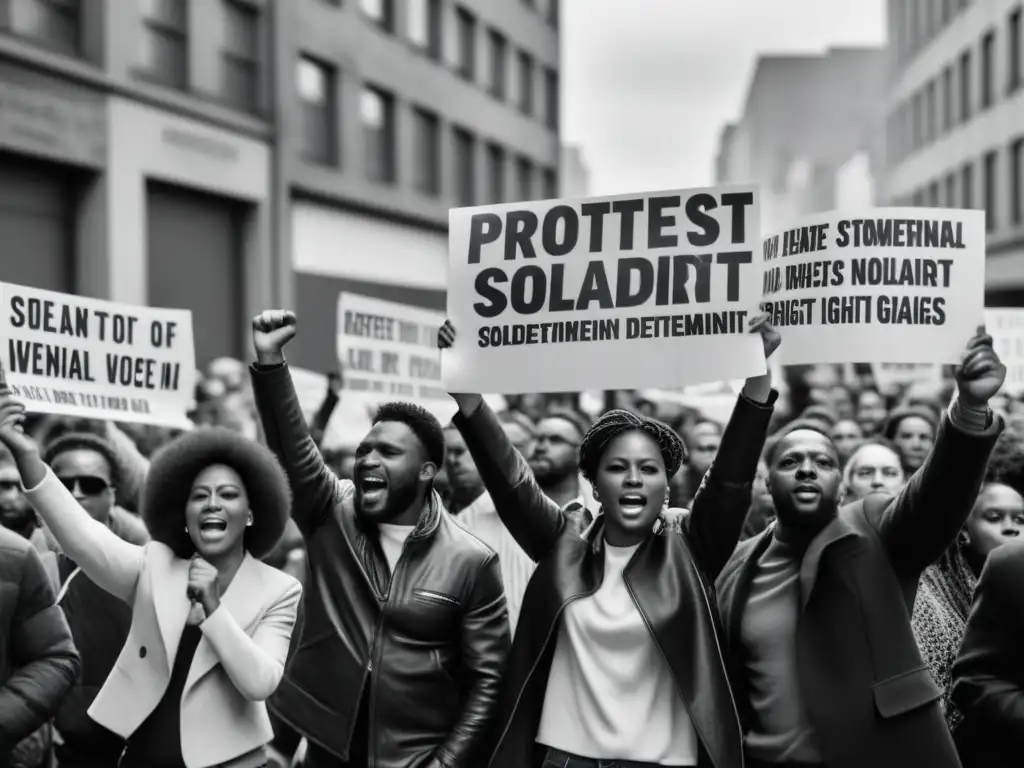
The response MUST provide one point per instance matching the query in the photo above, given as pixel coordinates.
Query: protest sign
(77, 356)
(1006, 326)
(886, 285)
(620, 292)
(388, 351)
(311, 387)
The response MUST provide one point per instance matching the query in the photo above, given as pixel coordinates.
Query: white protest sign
(622, 292)
(885, 285)
(311, 387)
(1006, 327)
(388, 351)
(77, 356)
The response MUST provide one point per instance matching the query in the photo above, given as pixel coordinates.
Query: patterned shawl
(940, 616)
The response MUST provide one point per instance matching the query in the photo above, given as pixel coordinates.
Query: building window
(495, 173)
(550, 184)
(53, 24)
(240, 55)
(466, 62)
(930, 112)
(951, 201)
(988, 47)
(990, 182)
(1016, 176)
(967, 185)
(551, 99)
(948, 113)
(553, 13)
(428, 153)
(425, 25)
(317, 96)
(929, 19)
(933, 194)
(913, 39)
(918, 199)
(946, 12)
(381, 12)
(377, 114)
(524, 179)
(1013, 64)
(965, 86)
(164, 42)
(525, 83)
(465, 187)
(499, 64)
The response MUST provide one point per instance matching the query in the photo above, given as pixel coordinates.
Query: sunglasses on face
(90, 485)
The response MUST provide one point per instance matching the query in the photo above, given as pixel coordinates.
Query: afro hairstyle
(85, 441)
(619, 422)
(175, 467)
(423, 424)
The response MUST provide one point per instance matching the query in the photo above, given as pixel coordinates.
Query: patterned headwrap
(618, 422)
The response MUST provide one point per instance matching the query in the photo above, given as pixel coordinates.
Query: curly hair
(1006, 464)
(175, 467)
(85, 441)
(423, 424)
(618, 422)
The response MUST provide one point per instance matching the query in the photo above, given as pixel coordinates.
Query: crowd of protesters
(541, 585)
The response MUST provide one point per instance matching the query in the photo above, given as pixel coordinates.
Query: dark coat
(422, 648)
(868, 694)
(988, 675)
(38, 659)
(669, 578)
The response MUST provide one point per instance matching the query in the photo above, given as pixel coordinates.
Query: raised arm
(926, 516)
(315, 488)
(986, 684)
(42, 656)
(722, 501)
(255, 664)
(112, 563)
(485, 641)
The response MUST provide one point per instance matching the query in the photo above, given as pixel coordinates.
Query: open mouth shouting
(212, 528)
(372, 488)
(632, 504)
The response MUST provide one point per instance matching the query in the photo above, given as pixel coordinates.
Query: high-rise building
(135, 155)
(389, 114)
(955, 128)
(803, 118)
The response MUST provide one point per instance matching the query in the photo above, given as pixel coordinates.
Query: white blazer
(240, 659)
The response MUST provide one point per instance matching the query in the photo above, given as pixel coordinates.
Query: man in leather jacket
(406, 628)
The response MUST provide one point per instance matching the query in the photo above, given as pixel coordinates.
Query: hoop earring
(248, 523)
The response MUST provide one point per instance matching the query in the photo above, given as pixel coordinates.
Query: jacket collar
(243, 599)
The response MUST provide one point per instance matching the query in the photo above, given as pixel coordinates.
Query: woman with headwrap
(616, 657)
(210, 623)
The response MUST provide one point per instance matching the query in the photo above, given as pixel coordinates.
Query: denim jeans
(556, 758)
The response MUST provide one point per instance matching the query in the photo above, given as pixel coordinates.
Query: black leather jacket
(426, 646)
(671, 579)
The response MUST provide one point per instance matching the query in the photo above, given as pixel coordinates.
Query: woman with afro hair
(616, 658)
(211, 624)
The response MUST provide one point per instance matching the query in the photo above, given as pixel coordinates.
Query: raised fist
(271, 330)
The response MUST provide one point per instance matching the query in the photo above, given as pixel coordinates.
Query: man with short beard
(406, 629)
(816, 610)
(556, 464)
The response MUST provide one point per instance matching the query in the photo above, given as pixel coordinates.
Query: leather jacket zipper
(375, 655)
(529, 676)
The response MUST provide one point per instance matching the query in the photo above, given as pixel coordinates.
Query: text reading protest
(631, 274)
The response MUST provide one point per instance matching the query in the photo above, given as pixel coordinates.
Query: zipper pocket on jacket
(436, 597)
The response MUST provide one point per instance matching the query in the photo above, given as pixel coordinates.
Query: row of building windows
(957, 188)
(426, 26)
(378, 114)
(163, 45)
(915, 23)
(949, 99)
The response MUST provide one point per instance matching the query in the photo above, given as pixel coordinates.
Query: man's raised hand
(271, 330)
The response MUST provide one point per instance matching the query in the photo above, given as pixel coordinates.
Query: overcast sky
(648, 84)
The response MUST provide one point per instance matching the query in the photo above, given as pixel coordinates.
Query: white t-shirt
(611, 694)
(392, 539)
